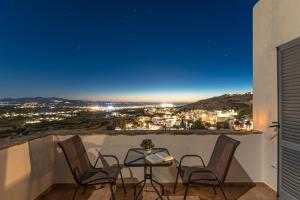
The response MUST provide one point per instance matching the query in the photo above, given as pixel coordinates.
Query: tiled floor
(234, 192)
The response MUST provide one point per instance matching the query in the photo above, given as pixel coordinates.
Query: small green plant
(147, 144)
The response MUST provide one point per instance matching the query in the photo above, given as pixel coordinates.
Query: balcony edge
(21, 140)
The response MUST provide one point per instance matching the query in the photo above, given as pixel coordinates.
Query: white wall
(245, 168)
(27, 169)
(275, 22)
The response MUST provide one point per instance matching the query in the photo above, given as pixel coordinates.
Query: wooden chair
(215, 172)
(86, 174)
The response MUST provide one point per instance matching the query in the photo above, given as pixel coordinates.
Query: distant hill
(34, 99)
(46, 100)
(223, 102)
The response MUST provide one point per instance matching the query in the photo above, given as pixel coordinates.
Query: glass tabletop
(136, 158)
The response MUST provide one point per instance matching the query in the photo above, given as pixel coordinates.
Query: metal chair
(86, 174)
(215, 172)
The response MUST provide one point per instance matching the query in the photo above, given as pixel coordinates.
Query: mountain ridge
(39, 100)
(223, 102)
(22, 100)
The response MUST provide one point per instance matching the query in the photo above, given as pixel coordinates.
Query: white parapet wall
(275, 22)
(246, 166)
(28, 168)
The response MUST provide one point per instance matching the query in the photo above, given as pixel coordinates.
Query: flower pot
(147, 151)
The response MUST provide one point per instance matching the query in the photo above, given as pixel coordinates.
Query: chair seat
(205, 178)
(95, 176)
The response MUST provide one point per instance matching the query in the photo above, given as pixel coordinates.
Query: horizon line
(114, 100)
(110, 101)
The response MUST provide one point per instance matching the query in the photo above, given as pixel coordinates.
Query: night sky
(156, 50)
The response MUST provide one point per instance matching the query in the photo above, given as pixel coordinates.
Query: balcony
(258, 191)
(34, 167)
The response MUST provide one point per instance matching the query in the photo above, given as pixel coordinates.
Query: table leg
(157, 192)
(161, 186)
(148, 176)
(142, 188)
(134, 189)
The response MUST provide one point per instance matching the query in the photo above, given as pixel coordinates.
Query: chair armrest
(199, 171)
(114, 157)
(191, 155)
(108, 156)
(96, 161)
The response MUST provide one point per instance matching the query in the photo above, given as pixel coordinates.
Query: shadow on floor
(195, 192)
(233, 191)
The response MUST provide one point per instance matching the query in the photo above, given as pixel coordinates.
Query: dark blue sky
(125, 50)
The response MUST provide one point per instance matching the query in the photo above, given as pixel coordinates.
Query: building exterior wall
(27, 169)
(275, 22)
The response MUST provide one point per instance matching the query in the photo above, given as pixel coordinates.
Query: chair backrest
(76, 156)
(222, 156)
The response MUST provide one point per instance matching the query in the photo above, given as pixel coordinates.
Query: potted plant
(147, 145)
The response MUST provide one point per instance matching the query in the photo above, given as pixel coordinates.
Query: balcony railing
(33, 164)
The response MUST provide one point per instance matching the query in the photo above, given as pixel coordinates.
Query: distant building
(155, 127)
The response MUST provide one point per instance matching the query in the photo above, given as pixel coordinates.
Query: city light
(95, 108)
(166, 105)
(33, 122)
(118, 116)
(110, 108)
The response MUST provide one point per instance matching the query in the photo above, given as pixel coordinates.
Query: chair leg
(123, 182)
(177, 176)
(74, 195)
(215, 192)
(223, 192)
(112, 191)
(186, 191)
(84, 190)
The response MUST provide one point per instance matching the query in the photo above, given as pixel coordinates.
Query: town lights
(109, 108)
(95, 108)
(248, 126)
(166, 105)
(237, 125)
